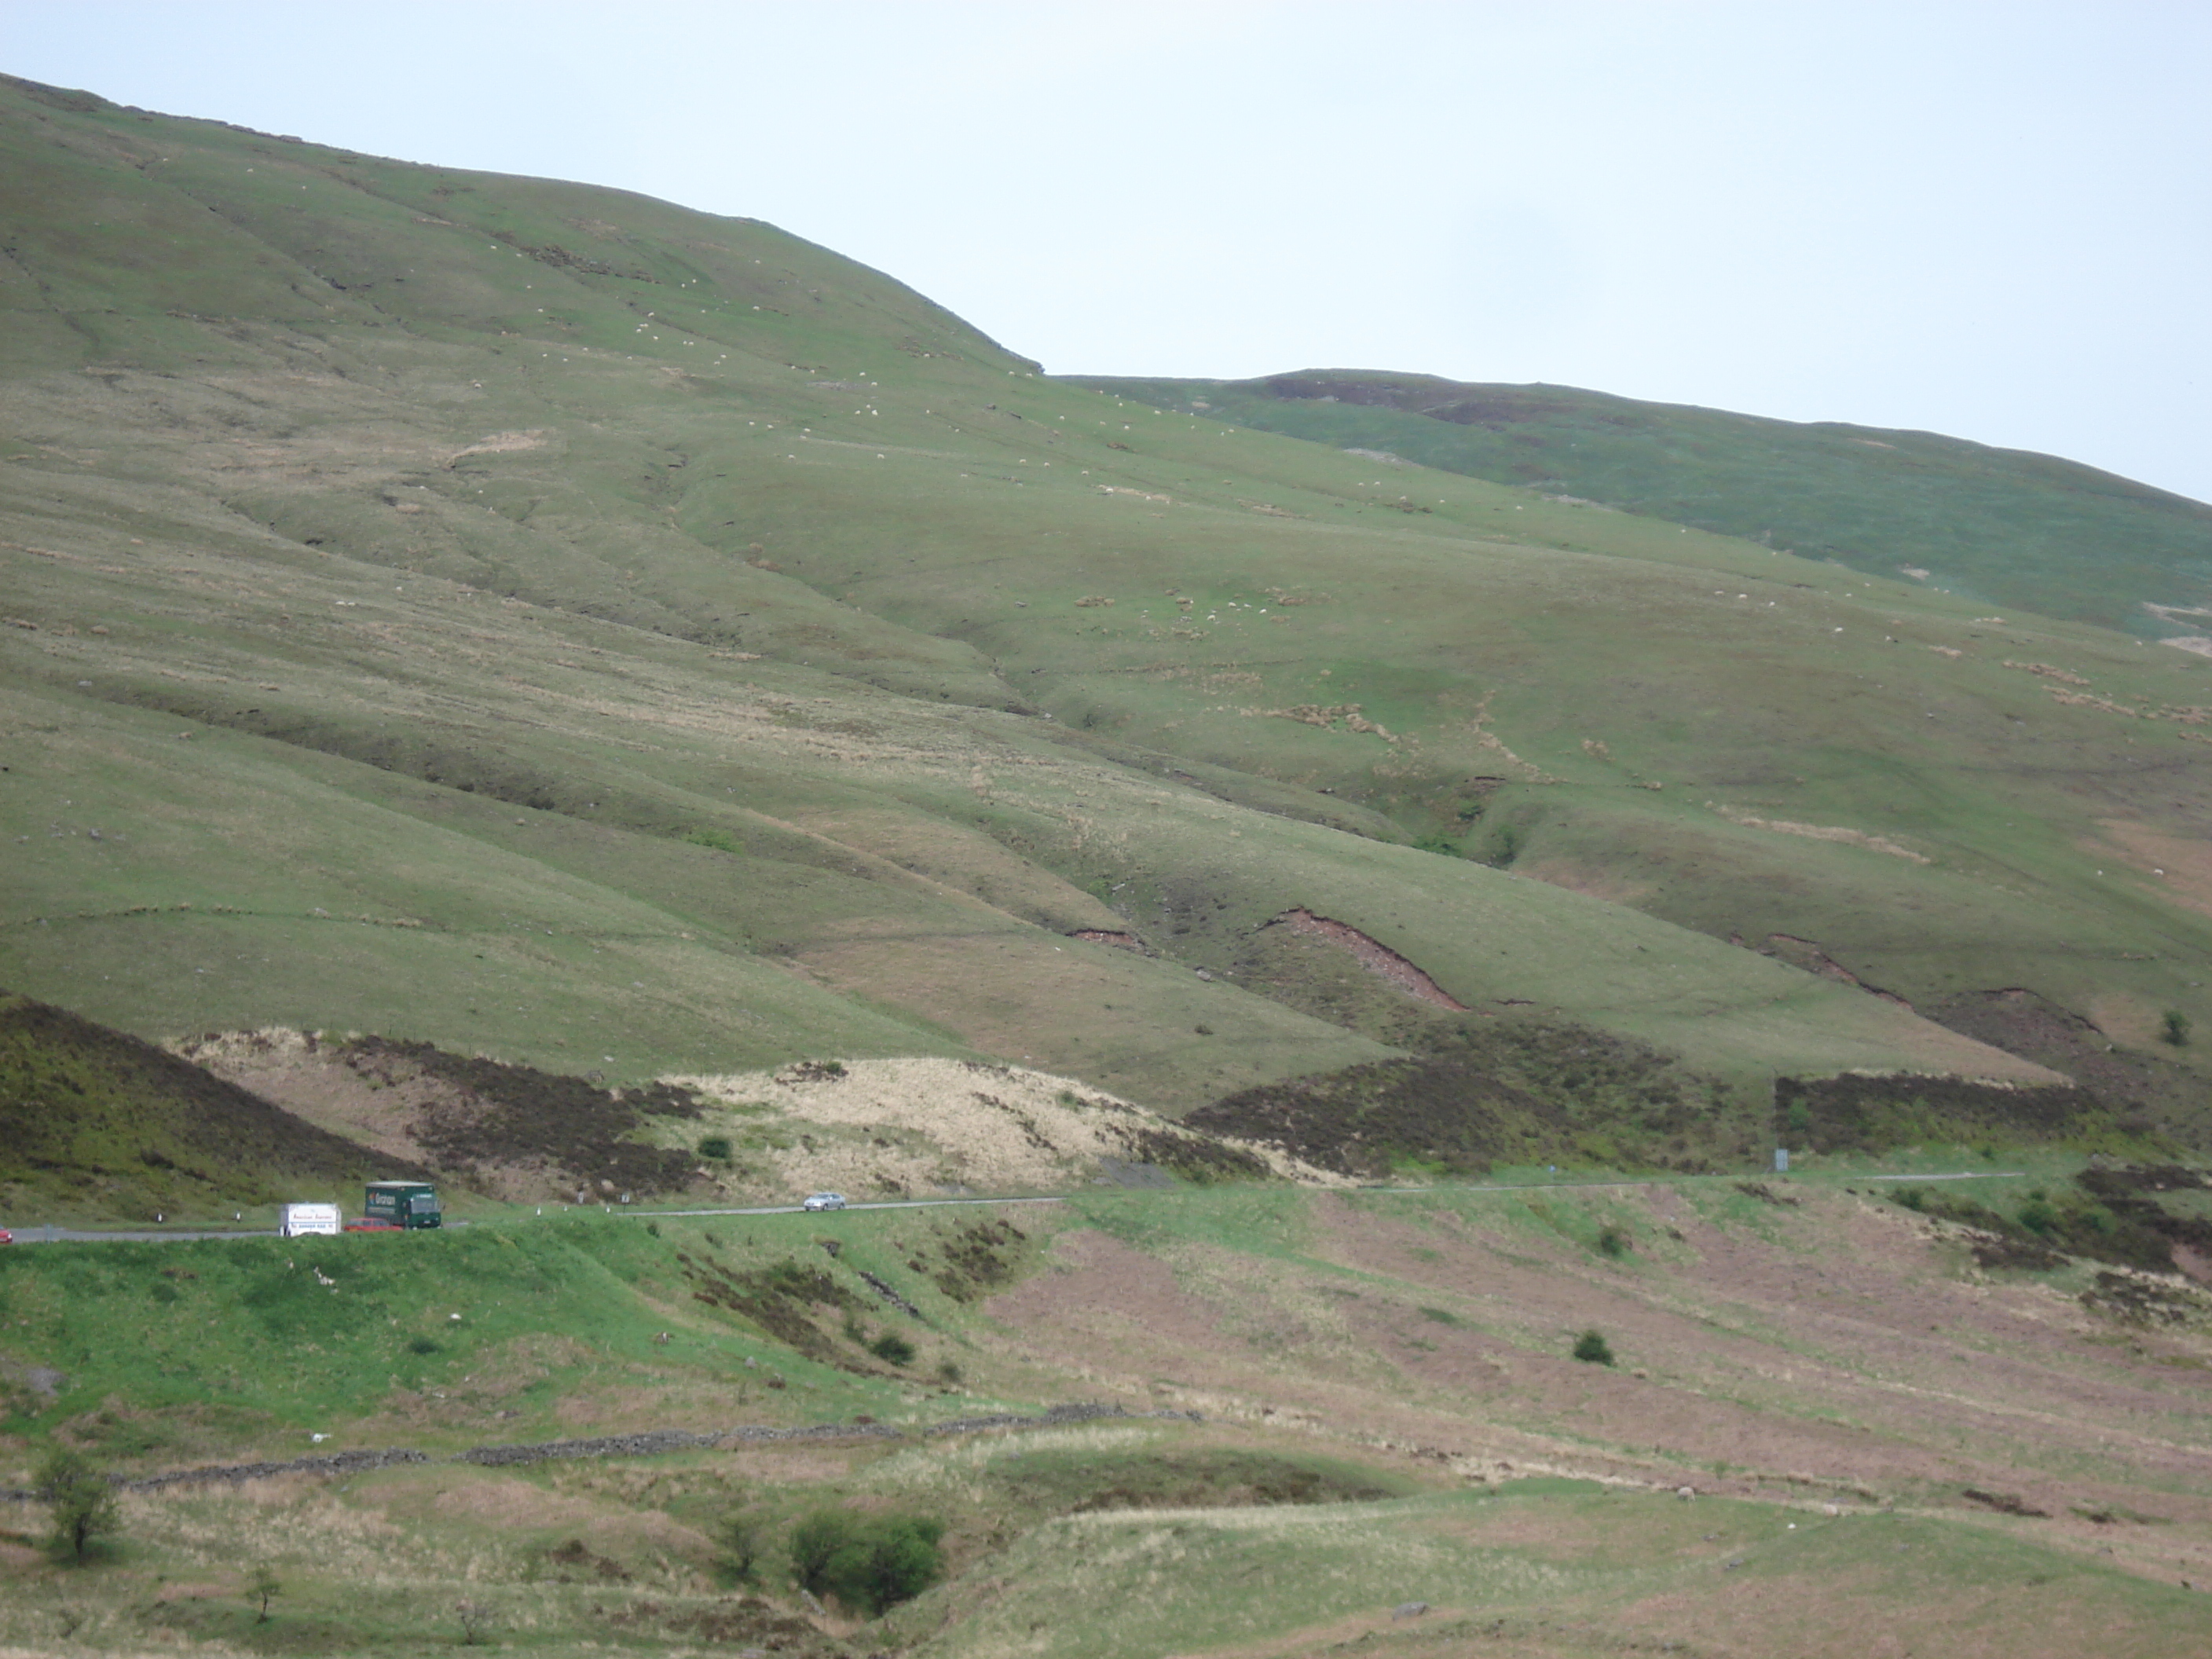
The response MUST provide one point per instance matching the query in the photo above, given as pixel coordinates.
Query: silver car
(825, 1201)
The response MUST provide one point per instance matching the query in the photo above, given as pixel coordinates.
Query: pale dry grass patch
(1823, 832)
(962, 1467)
(924, 1123)
(204, 1526)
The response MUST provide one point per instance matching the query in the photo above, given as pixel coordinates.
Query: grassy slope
(1777, 1354)
(401, 552)
(585, 627)
(2010, 528)
(87, 1114)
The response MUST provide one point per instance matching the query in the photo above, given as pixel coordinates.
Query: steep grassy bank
(90, 1118)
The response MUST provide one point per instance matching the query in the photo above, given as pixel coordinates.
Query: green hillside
(1309, 1421)
(2002, 527)
(554, 624)
(91, 1117)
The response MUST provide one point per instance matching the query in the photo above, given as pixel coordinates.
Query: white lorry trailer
(295, 1220)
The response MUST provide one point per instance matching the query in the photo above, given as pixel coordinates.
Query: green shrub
(2037, 1215)
(1592, 1349)
(739, 1538)
(1615, 1242)
(892, 1347)
(869, 1563)
(717, 1147)
(79, 1504)
(2174, 1028)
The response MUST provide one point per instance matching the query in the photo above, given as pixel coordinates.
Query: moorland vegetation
(625, 712)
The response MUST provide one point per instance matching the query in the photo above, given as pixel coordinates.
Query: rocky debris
(650, 1445)
(330, 1463)
(1106, 936)
(884, 1290)
(2003, 1503)
(1375, 957)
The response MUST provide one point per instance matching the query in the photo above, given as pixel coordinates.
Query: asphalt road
(51, 1235)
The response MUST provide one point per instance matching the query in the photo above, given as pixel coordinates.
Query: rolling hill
(666, 705)
(556, 625)
(2003, 527)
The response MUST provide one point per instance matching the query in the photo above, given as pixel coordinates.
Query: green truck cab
(405, 1203)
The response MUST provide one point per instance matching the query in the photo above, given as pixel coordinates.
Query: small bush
(740, 1538)
(423, 1344)
(80, 1502)
(869, 1563)
(948, 1373)
(2037, 1215)
(892, 1347)
(716, 1147)
(476, 1622)
(1615, 1242)
(1592, 1349)
(2174, 1028)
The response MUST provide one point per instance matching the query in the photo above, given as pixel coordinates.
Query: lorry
(298, 1220)
(403, 1204)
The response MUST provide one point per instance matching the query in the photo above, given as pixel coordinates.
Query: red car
(366, 1224)
(6, 1237)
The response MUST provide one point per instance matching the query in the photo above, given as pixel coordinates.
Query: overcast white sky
(1992, 219)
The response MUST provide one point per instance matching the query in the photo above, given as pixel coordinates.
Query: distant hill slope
(563, 628)
(91, 1117)
(2010, 529)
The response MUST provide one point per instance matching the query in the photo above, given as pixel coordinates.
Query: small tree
(79, 1500)
(1593, 1349)
(2175, 1027)
(739, 1535)
(475, 1620)
(264, 1588)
